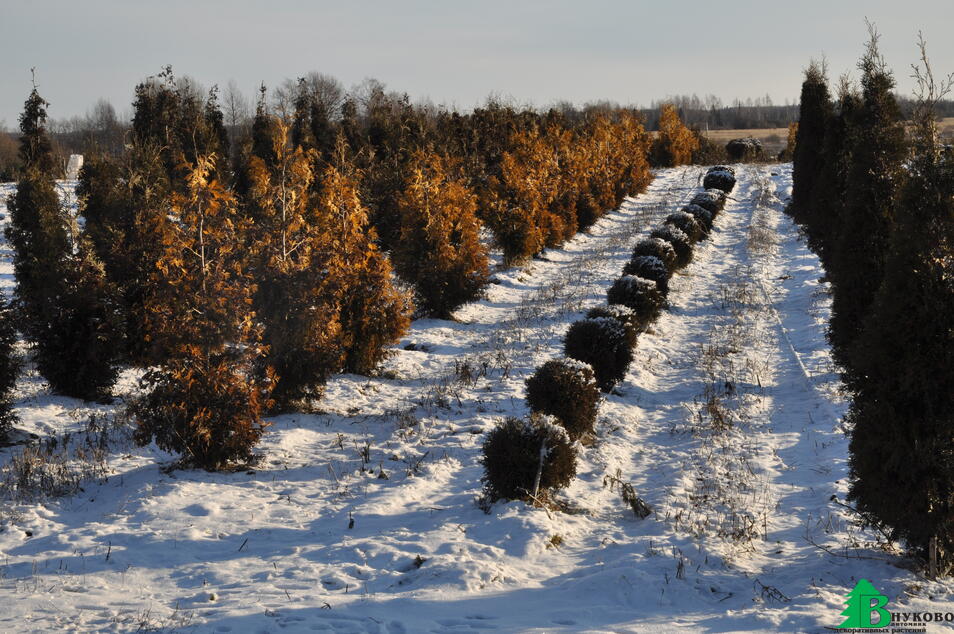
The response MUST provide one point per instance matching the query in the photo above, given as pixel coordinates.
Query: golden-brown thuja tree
(204, 401)
(439, 250)
(675, 142)
(297, 300)
(374, 314)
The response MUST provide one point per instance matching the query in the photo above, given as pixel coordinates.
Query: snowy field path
(361, 516)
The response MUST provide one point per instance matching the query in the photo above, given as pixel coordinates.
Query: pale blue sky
(454, 52)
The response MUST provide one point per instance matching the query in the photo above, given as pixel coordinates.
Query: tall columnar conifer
(675, 142)
(439, 251)
(873, 180)
(9, 368)
(205, 400)
(297, 300)
(814, 114)
(902, 414)
(374, 314)
(66, 306)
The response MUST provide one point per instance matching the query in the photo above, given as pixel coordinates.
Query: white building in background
(74, 166)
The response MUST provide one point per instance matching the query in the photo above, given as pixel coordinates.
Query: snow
(361, 516)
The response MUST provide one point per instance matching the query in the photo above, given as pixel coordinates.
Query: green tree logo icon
(862, 603)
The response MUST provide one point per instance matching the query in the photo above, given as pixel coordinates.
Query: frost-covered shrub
(602, 343)
(679, 242)
(742, 150)
(719, 179)
(649, 267)
(624, 315)
(702, 216)
(566, 389)
(511, 458)
(639, 294)
(712, 200)
(721, 168)
(687, 224)
(658, 248)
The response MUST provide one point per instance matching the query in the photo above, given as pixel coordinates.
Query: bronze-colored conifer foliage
(205, 400)
(675, 143)
(374, 314)
(297, 300)
(439, 250)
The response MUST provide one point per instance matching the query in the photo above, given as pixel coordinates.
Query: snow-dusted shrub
(659, 248)
(703, 216)
(687, 224)
(566, 389)
(639, 294)
(712, 200)
(512, 454)
(679, 241)
(624, 315)
(602, 343)
(649, 267)
(742, 150)
(720, 178)
(721, 168)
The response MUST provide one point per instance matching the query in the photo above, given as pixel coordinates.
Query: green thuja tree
(877, 158)
(814, 113)
(822, 217)
(9, 369)
(902, 414)
(65, 304)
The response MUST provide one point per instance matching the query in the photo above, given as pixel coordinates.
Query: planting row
(529, 457)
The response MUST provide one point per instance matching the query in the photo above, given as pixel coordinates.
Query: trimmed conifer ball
(649, 267)
(602, 343)
(567, 390)
(721, 168)
(639, 294)
(702, 216)
(712, 200)
(719, 177)
(687, 224)
(511, 458)
(679, 241)
(624, 315)
(659, 248)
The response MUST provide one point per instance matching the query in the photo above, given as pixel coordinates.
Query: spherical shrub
(600, 342)
(702, 216)
(719, 179)
(625, 315)
(687, 224)
(649, 267)
(658, 248)
(712, 200)
(721, 168)
(567, 390)
(511, 458)
(640, 294)
(679, 241)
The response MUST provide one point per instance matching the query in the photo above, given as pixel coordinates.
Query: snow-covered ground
(361, 516)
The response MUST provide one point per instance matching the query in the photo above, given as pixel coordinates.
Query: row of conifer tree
(243, 277)
(878, 207)
(529, 458)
